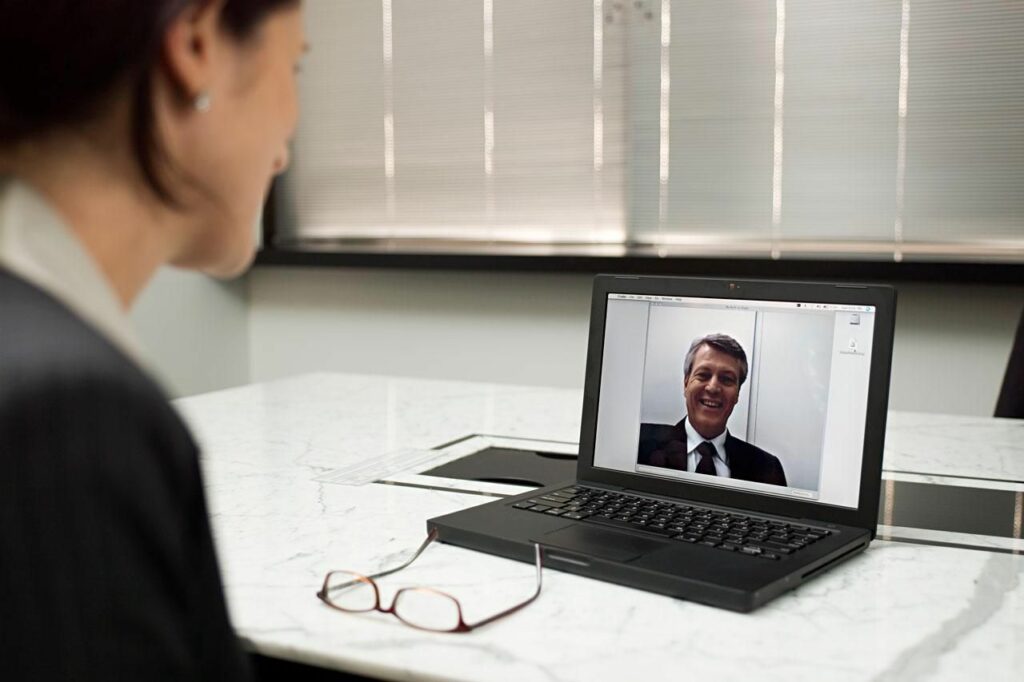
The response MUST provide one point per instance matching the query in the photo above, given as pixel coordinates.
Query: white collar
(693, 439)
(36, 245)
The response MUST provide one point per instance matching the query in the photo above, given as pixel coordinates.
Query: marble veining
(898, 611)
(949, 445)
(920, 662)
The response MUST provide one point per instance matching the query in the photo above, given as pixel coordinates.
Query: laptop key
(774, 547)
(781, 549)
(612, 523)
(540, 508)
(523, 505)
(575, 515)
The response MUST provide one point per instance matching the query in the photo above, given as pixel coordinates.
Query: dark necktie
(706, 465)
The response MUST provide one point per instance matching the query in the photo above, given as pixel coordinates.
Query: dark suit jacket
(665, 445)
(107, 565)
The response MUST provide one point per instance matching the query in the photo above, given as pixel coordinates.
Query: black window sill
(625, 260)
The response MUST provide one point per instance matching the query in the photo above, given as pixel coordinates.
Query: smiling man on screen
(713, 371)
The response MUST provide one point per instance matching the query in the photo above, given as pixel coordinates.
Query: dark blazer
(107, 564)
(665, 445)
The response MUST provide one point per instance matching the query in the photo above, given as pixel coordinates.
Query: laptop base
(635, 559)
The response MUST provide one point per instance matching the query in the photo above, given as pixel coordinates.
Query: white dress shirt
(693, 439)
(37, 246)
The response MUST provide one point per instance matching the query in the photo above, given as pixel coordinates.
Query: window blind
(453, 119)
(785, 128)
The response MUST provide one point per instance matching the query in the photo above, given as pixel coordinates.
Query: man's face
(711, 390)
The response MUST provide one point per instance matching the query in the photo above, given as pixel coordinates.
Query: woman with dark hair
(133, 134)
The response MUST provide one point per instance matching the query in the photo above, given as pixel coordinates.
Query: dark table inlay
(930, 506)
(950, 508)
(511, 466)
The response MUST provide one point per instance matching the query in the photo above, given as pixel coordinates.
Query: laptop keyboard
(727, 531)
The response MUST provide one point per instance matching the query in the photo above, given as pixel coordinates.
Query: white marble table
(273, 455)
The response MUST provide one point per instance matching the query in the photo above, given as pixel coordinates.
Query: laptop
(731, 441)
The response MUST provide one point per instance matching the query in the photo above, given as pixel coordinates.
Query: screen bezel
(883, 298)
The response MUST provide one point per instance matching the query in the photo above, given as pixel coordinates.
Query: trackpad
(600, 543)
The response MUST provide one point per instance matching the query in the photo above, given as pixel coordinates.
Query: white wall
(952, 341)
(502, 327)
(195, 331)
(952, 344)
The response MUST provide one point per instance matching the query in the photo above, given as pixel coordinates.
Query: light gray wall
(952, 341)
(789, 385)
(195, 331)
(952, 344)
(501, 327)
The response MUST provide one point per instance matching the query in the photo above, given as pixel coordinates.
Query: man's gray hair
(720, 342)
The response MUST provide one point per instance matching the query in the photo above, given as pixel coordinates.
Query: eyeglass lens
(350, 591)
(428, 609)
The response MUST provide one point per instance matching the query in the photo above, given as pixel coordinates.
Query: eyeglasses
(421, 607)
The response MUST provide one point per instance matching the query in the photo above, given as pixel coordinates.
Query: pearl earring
(202, 102)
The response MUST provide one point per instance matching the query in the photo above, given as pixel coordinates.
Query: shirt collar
(36, 245)
(693, 439)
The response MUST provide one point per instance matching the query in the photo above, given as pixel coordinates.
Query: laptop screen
(759, 396)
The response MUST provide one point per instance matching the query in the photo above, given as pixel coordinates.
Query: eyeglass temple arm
(431, 536)
(538, 552)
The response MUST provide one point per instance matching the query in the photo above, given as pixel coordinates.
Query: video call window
(762, 396)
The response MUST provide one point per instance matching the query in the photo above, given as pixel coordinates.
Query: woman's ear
(190, 49)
